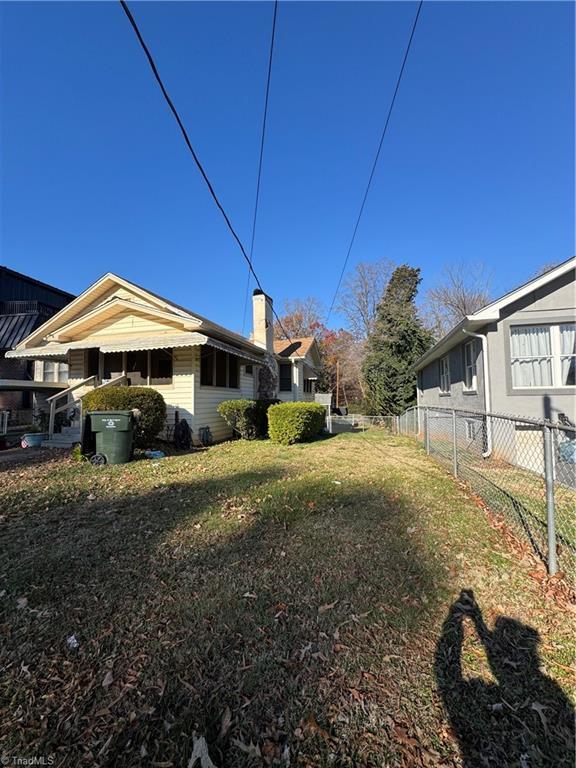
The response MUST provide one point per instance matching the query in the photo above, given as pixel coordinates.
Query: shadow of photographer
(524, 719)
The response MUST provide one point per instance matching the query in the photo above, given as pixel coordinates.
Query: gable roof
(73, 312)
(491, 312)
(293, 347)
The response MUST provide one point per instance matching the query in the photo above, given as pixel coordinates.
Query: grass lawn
(295, 606)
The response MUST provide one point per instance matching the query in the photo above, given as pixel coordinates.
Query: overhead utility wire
(375, 163)
(262, 139)
(196, 159)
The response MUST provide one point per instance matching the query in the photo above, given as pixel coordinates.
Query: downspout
(487, 399)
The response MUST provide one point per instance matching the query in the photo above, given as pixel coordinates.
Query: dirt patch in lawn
(295, 606)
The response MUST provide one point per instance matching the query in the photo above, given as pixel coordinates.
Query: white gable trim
(492, 311)
(121, 305)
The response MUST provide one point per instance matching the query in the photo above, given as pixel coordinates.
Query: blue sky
(478, 163)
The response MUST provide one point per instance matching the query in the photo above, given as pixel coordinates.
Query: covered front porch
(177, 365)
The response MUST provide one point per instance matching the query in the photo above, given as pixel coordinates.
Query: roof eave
(470, 323)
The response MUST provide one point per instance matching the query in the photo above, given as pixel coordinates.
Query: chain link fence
(524, 469)
(359, 422)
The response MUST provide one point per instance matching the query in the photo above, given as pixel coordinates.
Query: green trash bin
(114, 432)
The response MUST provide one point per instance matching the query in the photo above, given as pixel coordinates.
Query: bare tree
(360, 294)
(300, 317)
(463, 289)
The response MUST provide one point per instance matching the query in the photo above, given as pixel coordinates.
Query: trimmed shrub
(149, 402)
(240, 415)
(295, 422)
(248, 418)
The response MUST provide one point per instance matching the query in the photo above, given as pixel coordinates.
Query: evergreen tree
(395, 344)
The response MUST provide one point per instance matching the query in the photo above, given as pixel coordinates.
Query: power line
(196, 159)
(375, 163)
(270, 57)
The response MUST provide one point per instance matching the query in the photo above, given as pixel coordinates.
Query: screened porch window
(137, 367)
(161, 366)
(543, 355)
(92, 362)
(113, 365)
(218, 368)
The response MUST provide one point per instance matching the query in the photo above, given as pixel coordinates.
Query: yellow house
(119, 334)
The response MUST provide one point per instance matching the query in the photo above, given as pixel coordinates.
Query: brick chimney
(263, 321)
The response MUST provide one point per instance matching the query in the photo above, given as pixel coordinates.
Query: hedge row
(248, 418)
(149, 402)
(295, 422)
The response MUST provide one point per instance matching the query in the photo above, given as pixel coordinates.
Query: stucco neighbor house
(517, 355)
(118, 333)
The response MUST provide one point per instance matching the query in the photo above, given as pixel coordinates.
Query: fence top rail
(506, 416)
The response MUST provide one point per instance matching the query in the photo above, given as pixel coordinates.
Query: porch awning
(142, 344)
(170, 341)
(49, 352)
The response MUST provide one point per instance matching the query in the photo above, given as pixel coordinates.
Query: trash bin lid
(120, 421)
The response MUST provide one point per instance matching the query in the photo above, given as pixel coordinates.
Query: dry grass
(286, 603)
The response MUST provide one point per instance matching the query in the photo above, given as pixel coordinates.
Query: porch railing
(58, 408)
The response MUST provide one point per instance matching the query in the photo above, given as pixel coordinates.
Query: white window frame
(470, 367)
(40, 372)
(445, 383)
(555, 356)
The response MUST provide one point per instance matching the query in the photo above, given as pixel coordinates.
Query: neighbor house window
(49, 371)
(249, 370)
(543, 355)
(470, 366)
(285, 377)
(445, 374)
(308, 387)
(568, 354)
(471, 428)
(63, 372)
(218, 368)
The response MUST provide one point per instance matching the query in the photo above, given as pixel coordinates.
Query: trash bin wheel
(98, 460)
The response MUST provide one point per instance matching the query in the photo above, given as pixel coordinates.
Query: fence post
(427, 430)
(454, 445)
(550, 506)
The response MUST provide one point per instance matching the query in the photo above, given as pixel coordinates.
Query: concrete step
(73, 429)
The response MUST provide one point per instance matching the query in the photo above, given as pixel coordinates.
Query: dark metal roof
(15, 328)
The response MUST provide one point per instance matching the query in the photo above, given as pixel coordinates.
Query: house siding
(297, 392)
(207, 400)
(553, 303)
(429, 381)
